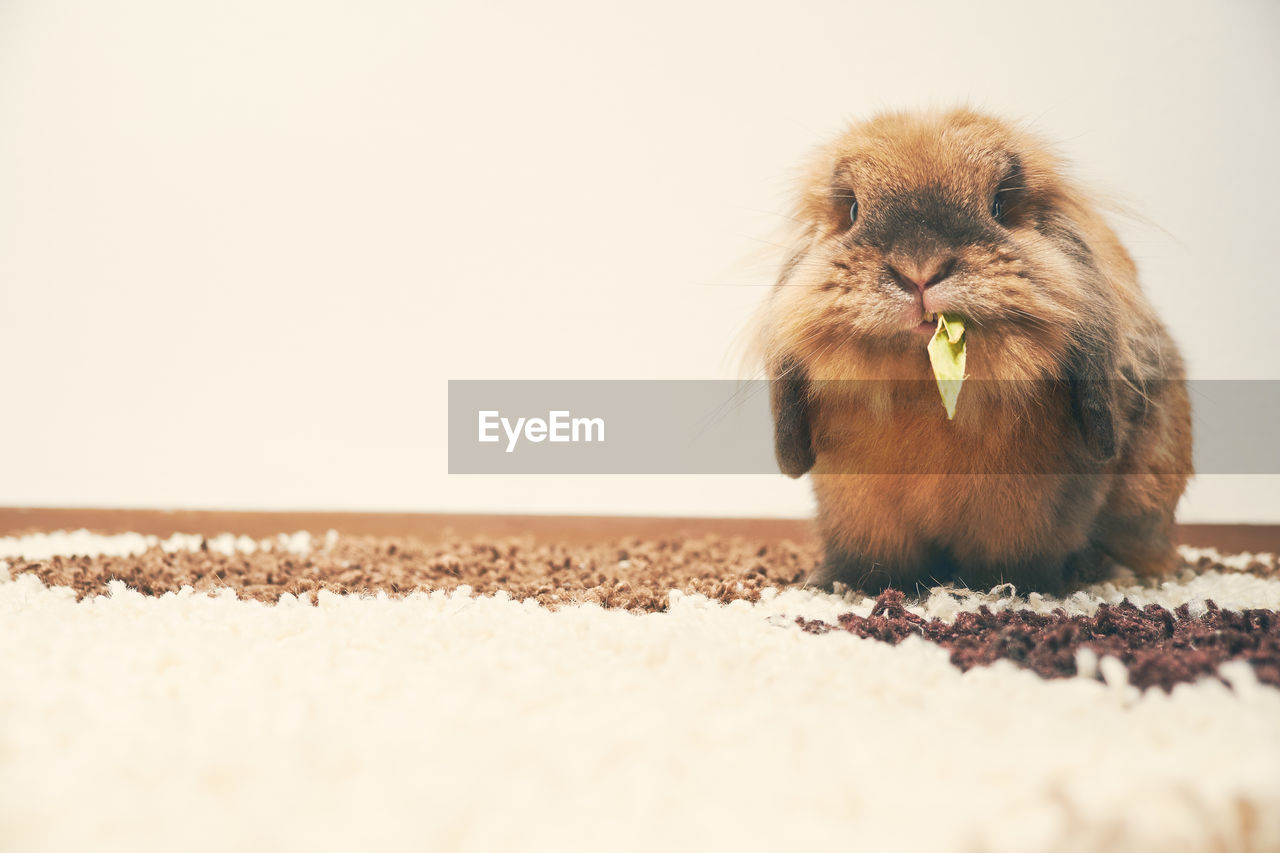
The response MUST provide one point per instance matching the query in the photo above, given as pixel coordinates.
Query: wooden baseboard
(435, 526)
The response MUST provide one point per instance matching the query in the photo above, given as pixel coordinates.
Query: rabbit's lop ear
(1094, 403)
(789, 398)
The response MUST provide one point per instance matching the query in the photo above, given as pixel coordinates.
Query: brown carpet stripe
(633, 574)
(1160, 648)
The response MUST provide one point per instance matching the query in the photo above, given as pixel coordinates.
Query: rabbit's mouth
(928, 323)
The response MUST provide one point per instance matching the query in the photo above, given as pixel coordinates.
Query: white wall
(244, 244)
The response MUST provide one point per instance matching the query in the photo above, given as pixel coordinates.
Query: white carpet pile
(455, 722)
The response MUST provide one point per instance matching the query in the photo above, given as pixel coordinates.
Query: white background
(243, 245)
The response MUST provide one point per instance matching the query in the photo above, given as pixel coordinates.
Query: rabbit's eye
(853, 212)
(997, 207)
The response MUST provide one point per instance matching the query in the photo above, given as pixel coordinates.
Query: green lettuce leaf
(946, 354)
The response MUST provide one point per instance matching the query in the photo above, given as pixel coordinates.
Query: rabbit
(1071, 441)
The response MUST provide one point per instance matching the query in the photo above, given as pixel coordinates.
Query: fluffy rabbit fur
(1071, 443)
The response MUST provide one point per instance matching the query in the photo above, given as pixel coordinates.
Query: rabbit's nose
(920, 274)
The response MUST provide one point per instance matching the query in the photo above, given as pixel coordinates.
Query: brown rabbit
(1071, 442)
